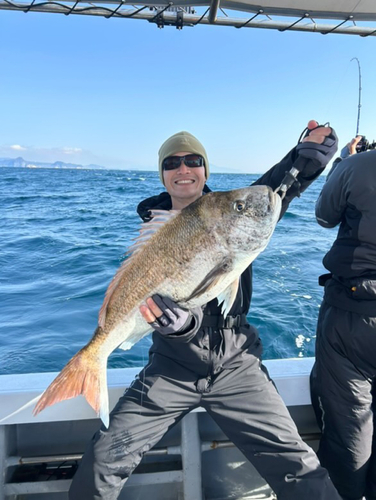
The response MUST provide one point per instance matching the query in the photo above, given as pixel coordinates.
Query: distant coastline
(21, 163)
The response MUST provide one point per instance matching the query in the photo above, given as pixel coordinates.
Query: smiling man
(180, 171)
(200, 358)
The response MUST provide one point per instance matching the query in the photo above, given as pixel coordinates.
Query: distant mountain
(20, 162)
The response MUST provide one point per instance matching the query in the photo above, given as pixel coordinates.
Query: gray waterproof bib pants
(343, 395)
(244, 403)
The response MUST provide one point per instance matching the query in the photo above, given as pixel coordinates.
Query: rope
(72, 9)
(336, 27)
(26, 405)
(33, 5)
(202, 17)
(296, 22)
(27, 10)
(249, 20)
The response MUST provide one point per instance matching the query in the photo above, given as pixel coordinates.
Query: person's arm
(331, 203)
(317, 149)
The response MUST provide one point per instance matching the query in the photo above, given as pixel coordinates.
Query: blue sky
(109, 91)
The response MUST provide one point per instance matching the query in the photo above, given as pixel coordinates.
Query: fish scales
(163, 258)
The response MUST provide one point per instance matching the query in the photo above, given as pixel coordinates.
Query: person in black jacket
(343, 376)
(199, 358)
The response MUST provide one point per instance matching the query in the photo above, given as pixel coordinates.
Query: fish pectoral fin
(212, 278)
(227, 297)
(132, 339)
(126, 345)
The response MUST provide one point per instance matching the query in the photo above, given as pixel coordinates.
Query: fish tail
(80, 376)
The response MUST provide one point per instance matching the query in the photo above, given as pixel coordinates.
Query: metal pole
(360, 95)
(3, 451)
(191, 457)
(214, 4)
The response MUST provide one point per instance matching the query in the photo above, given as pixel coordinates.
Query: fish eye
(239, 206)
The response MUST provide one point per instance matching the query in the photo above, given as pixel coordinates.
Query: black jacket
(212, 348)
(348, 198)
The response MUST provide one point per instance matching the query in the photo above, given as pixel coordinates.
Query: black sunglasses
(174, 162)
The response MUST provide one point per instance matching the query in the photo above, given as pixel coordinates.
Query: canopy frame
(181, 14)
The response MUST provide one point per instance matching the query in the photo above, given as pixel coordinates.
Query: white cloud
(17, 147)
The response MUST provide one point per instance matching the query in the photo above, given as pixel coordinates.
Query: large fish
(191, 256)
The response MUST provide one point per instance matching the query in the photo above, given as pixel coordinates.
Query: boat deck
(194, 460)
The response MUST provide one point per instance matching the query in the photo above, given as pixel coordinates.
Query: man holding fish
(204, 351)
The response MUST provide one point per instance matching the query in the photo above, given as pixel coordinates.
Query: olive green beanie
(179, 143)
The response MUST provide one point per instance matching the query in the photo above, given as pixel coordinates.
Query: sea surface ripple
(64, 232)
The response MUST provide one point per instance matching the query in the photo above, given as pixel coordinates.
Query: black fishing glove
(176, 322)
(316, 155)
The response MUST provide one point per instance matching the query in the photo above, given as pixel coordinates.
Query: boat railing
(29, 443)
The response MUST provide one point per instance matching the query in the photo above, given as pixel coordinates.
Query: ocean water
(64, 232)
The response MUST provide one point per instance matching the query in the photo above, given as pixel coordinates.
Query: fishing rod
(363, 144)
(360, 95)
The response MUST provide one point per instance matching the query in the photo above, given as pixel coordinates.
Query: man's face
(184, 184)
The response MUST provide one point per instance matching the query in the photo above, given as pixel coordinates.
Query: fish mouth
(272, 196)
(274, 199)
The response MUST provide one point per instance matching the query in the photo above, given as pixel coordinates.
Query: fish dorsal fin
(147, 230)
(227, 297)
(212, 278)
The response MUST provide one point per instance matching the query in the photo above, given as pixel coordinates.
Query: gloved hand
(319, 146)
(170, 320)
